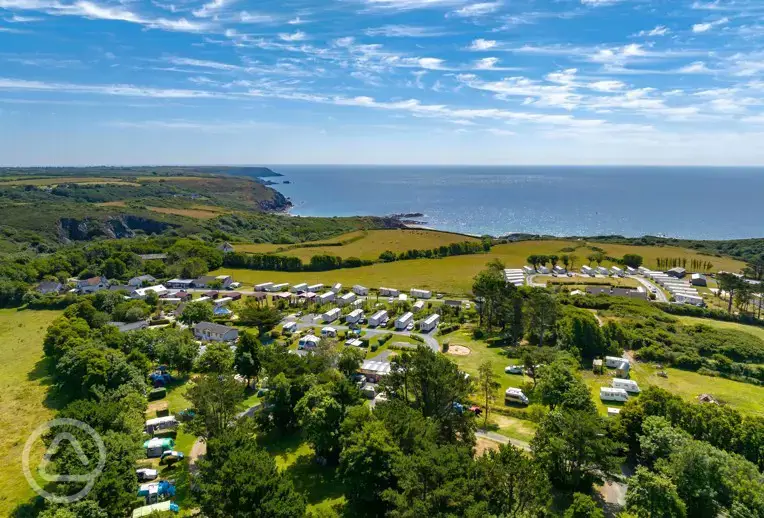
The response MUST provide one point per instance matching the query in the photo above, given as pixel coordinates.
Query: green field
(454, 275)
(23, 392)
(754, 330)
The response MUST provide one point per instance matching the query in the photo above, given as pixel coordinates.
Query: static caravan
(357, 303)
(543, 270)
(327, 297)
(337, 288)
(630, 386)
(602, 270)
(613, 394)
(354, 316)
(315, 288)
(378, 318)
(587, 270)
(616, 271)
(346, 299)
(361, 291)
(420, 294)
(278, 287)
(404, 320)
(429, 323)
(160, 423)
(698, 279)
(308, 342)
(331, 315)
(559, 270)
(263, 286)
(613, 412)
(402, 297)
(289, 327)
(528, 270)
(689, 299)
(329, 331)
(515, 395)
(388, 292)
(643, 270)
(621, 365)
(299, 288)
(223, 301)
(630, 271)
(418, 305)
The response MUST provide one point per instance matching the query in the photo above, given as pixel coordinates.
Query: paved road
(493, 436)
(314, 320)
(659, 295)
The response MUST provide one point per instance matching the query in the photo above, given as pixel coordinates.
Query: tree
(488, 383)
(176, 350)
(217, 358)
(214, 397)
(278, 405)
(238, 478)
(534, 358)
(565, 258)
(583, 506)
(573, 449)
(114, 268)
(560, 385)
(541, 313)
(579, 332)
(554, 259)
(659, 439)
(249, 356)
(652, 495)
(196, 312)
(349, 360)
(320, 416)
(366, 468)
(729, 283)
(81, 509)
(511, 483)
(633, 260)
(264, 318)
(191, 268)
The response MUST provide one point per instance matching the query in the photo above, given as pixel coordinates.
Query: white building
(404, 320)
(429, 323)
(289, 327)
(528, 270)
(275, 288)
(141, 293)
(327, 297)
(378, 318)
(388, 292)
(627, 385)
(420, 294)
(315, 288)
(337, 288)
(418, 306)
(354, 316)
(263, 286)
(346, 299)
(331, 315)
(223, 301)
(613, 394)
(543, 270)
(329, 331)
(299, 288)
(308, 342)
(361, 291)
(402, 297)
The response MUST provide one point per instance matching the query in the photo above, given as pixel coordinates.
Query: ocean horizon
(684, 202)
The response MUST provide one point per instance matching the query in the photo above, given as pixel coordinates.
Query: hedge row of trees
(461, 248)
(666, 263)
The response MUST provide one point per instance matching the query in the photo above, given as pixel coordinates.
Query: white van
(629, 386)
(613, 394)
(515, 395)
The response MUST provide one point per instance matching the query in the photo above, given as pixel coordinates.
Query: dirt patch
(198, 451)
(458, 350)
(483, 445)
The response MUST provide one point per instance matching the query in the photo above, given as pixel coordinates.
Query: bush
(374, 348)
(448, 328)
(417, 338)
(478, 334)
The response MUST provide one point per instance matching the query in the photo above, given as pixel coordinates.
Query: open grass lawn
(196, 213)
(258, 248)
(744, 397)
(24, 403)
(578, 282)
(320, 484)
(754, 330)
(377, 241)
(454, 275)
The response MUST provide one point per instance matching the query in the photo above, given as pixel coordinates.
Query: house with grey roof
(47, 287)
(141, 280)
(211, 332)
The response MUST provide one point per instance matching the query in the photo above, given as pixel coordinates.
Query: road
(309, 321)
(495, 437)
(649, 286)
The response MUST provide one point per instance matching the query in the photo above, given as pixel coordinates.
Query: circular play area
(458, 350)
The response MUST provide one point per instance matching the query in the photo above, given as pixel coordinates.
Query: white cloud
(700, 28)
(698, 67)
(599, 3)
(203, 64)
(296, 36)
(475, 10)
(254, 18)
(481, 44)
(212, 8)
(486, 63)
(22, 19)
(403, 31)
(606, 86)
(297, 21)
(659, 30)
(407, 5)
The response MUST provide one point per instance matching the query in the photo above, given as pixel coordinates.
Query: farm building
(263, 286)
(215, 332)
(331, 315)
(420, 294)
(354, 316)
(418, 306)
(374, 370)
(299, 288)
(404, 320)
(315, 288)
(308, 342)
(378, 318)
(337, 288)
(327, 297)
(698, 279)
(429, 323)
(677, 272)
(346, 299)
(388, 292)
(360, 290)
(141, 280)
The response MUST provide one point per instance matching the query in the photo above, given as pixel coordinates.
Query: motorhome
(515, 395)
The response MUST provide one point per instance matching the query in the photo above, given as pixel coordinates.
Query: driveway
(649, 286)
(493, 436)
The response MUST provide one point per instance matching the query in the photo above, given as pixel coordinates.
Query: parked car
(145, 474)
(513, 369)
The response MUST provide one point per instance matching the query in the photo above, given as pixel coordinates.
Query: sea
(683, 202)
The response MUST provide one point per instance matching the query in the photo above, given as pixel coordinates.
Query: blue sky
(381, 81)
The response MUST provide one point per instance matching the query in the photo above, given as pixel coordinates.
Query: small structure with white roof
(420, 294)
(331, 315)
(346, 299)
(329, 332)
(429, 323)
(361, 291)
(263, 286)
(354, 316)
(308, 342)
(404, 320)
(327, 297)
(299, 288)
(378, 318)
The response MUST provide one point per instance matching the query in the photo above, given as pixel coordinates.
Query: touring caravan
(613, 394)
(630, 386)
(515, 395)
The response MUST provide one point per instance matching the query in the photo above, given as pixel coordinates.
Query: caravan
(515, 395)
(613, 394)
(630, 386)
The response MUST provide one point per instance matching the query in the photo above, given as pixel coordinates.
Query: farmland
(193, 212)
(23, 395)
(453, 275)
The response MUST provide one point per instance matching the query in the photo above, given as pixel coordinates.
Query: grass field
(68, 180)
(196, 213)
(259, 248)
(578, 282)
(754, 330)
(23, 392)
(454, 275)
